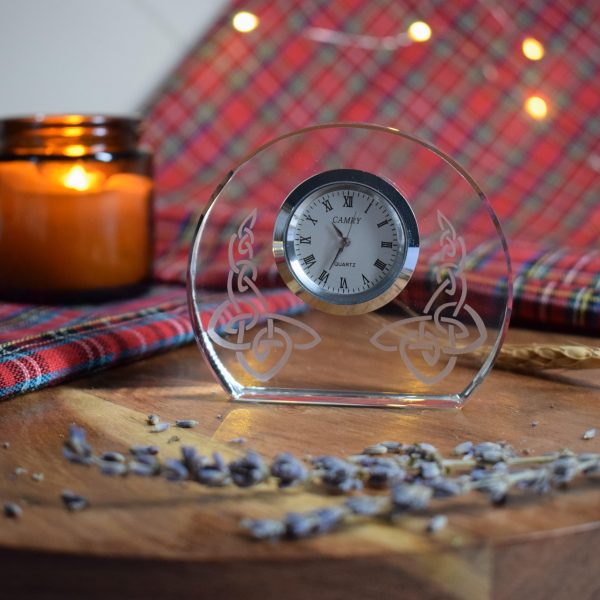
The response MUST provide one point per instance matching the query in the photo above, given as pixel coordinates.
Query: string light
(245, 21)
(536, 107)
(419, 31)
(532, 49)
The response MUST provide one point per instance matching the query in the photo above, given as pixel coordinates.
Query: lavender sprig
(414, 475)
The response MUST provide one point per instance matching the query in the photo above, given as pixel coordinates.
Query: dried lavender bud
(186, 423)
(393, 447)
(589, 434)
(159, 428)
(220, 417)
(238, 440)
(329, 517)
(73, 501)
(113, 457)
(300, 525)
(174, 470)
(405, 496)
(144, 449)
(534, 479)
(6, 445)
(77, 458)
(215, 474)
(109, 467)
(535, 423)
(192, 461)
(138, 468)
(446, 488)
(336, 474)
(76, 449)
(428, 470)
(37, 477)
(263, 529)
(437, 523)
(12, 510)
(496, 488)
(382, 472)
(367, 506)
(563, 469)
(153, 419)
(20, 471)
(288, 470)
(492, 452)
(424, 451)
(463, 448)
(148, 459)
(592, 467)
(375, 449)
(248, 470)
(303, 525)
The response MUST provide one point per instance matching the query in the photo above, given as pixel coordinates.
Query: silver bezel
(295, 276)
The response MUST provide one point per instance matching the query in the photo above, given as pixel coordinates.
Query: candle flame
(77, 179)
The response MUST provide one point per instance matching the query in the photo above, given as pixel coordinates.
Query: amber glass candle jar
(75, 208)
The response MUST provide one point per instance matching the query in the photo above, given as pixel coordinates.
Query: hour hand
(338, 230)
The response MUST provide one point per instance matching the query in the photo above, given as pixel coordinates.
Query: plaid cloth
(319, 61)
(464, 90)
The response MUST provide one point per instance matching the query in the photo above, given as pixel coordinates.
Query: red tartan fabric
(464, 90)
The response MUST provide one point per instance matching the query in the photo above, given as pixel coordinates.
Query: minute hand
(336, 256)
(351, 223)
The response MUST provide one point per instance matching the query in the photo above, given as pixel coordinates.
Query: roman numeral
(305, 240)
(380, 265)
(343, 283)
(368, 207)
(348, 201)
(383, 223)
(313, 221)
(386, 244)
(309, 260)
(324, 276)
(327, 205)
(365, 280)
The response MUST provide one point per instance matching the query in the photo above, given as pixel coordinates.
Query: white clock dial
(343, 242)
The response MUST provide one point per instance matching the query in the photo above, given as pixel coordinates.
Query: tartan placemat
(63, 343)
(319, 61)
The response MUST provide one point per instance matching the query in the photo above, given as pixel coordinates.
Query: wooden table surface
(147, 539)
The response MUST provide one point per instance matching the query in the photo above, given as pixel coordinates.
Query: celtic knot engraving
(243, 323)
(429, 344)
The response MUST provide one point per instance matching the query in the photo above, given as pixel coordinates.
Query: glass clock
(349, 264)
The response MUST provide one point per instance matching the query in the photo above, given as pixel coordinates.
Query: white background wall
(103, 56)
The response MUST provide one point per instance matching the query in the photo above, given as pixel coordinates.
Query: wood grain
(155, 539)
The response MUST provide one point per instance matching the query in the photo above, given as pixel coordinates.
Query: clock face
(346, 241)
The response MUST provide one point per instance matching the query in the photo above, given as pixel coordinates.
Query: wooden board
(155, 539)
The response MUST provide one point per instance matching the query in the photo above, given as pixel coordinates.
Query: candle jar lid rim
(39, 120)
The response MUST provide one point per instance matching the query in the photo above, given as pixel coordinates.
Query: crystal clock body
(349, 264)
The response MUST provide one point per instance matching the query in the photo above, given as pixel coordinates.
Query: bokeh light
(536, 107)
(419, 31)
(245, 21)
(532, 49)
